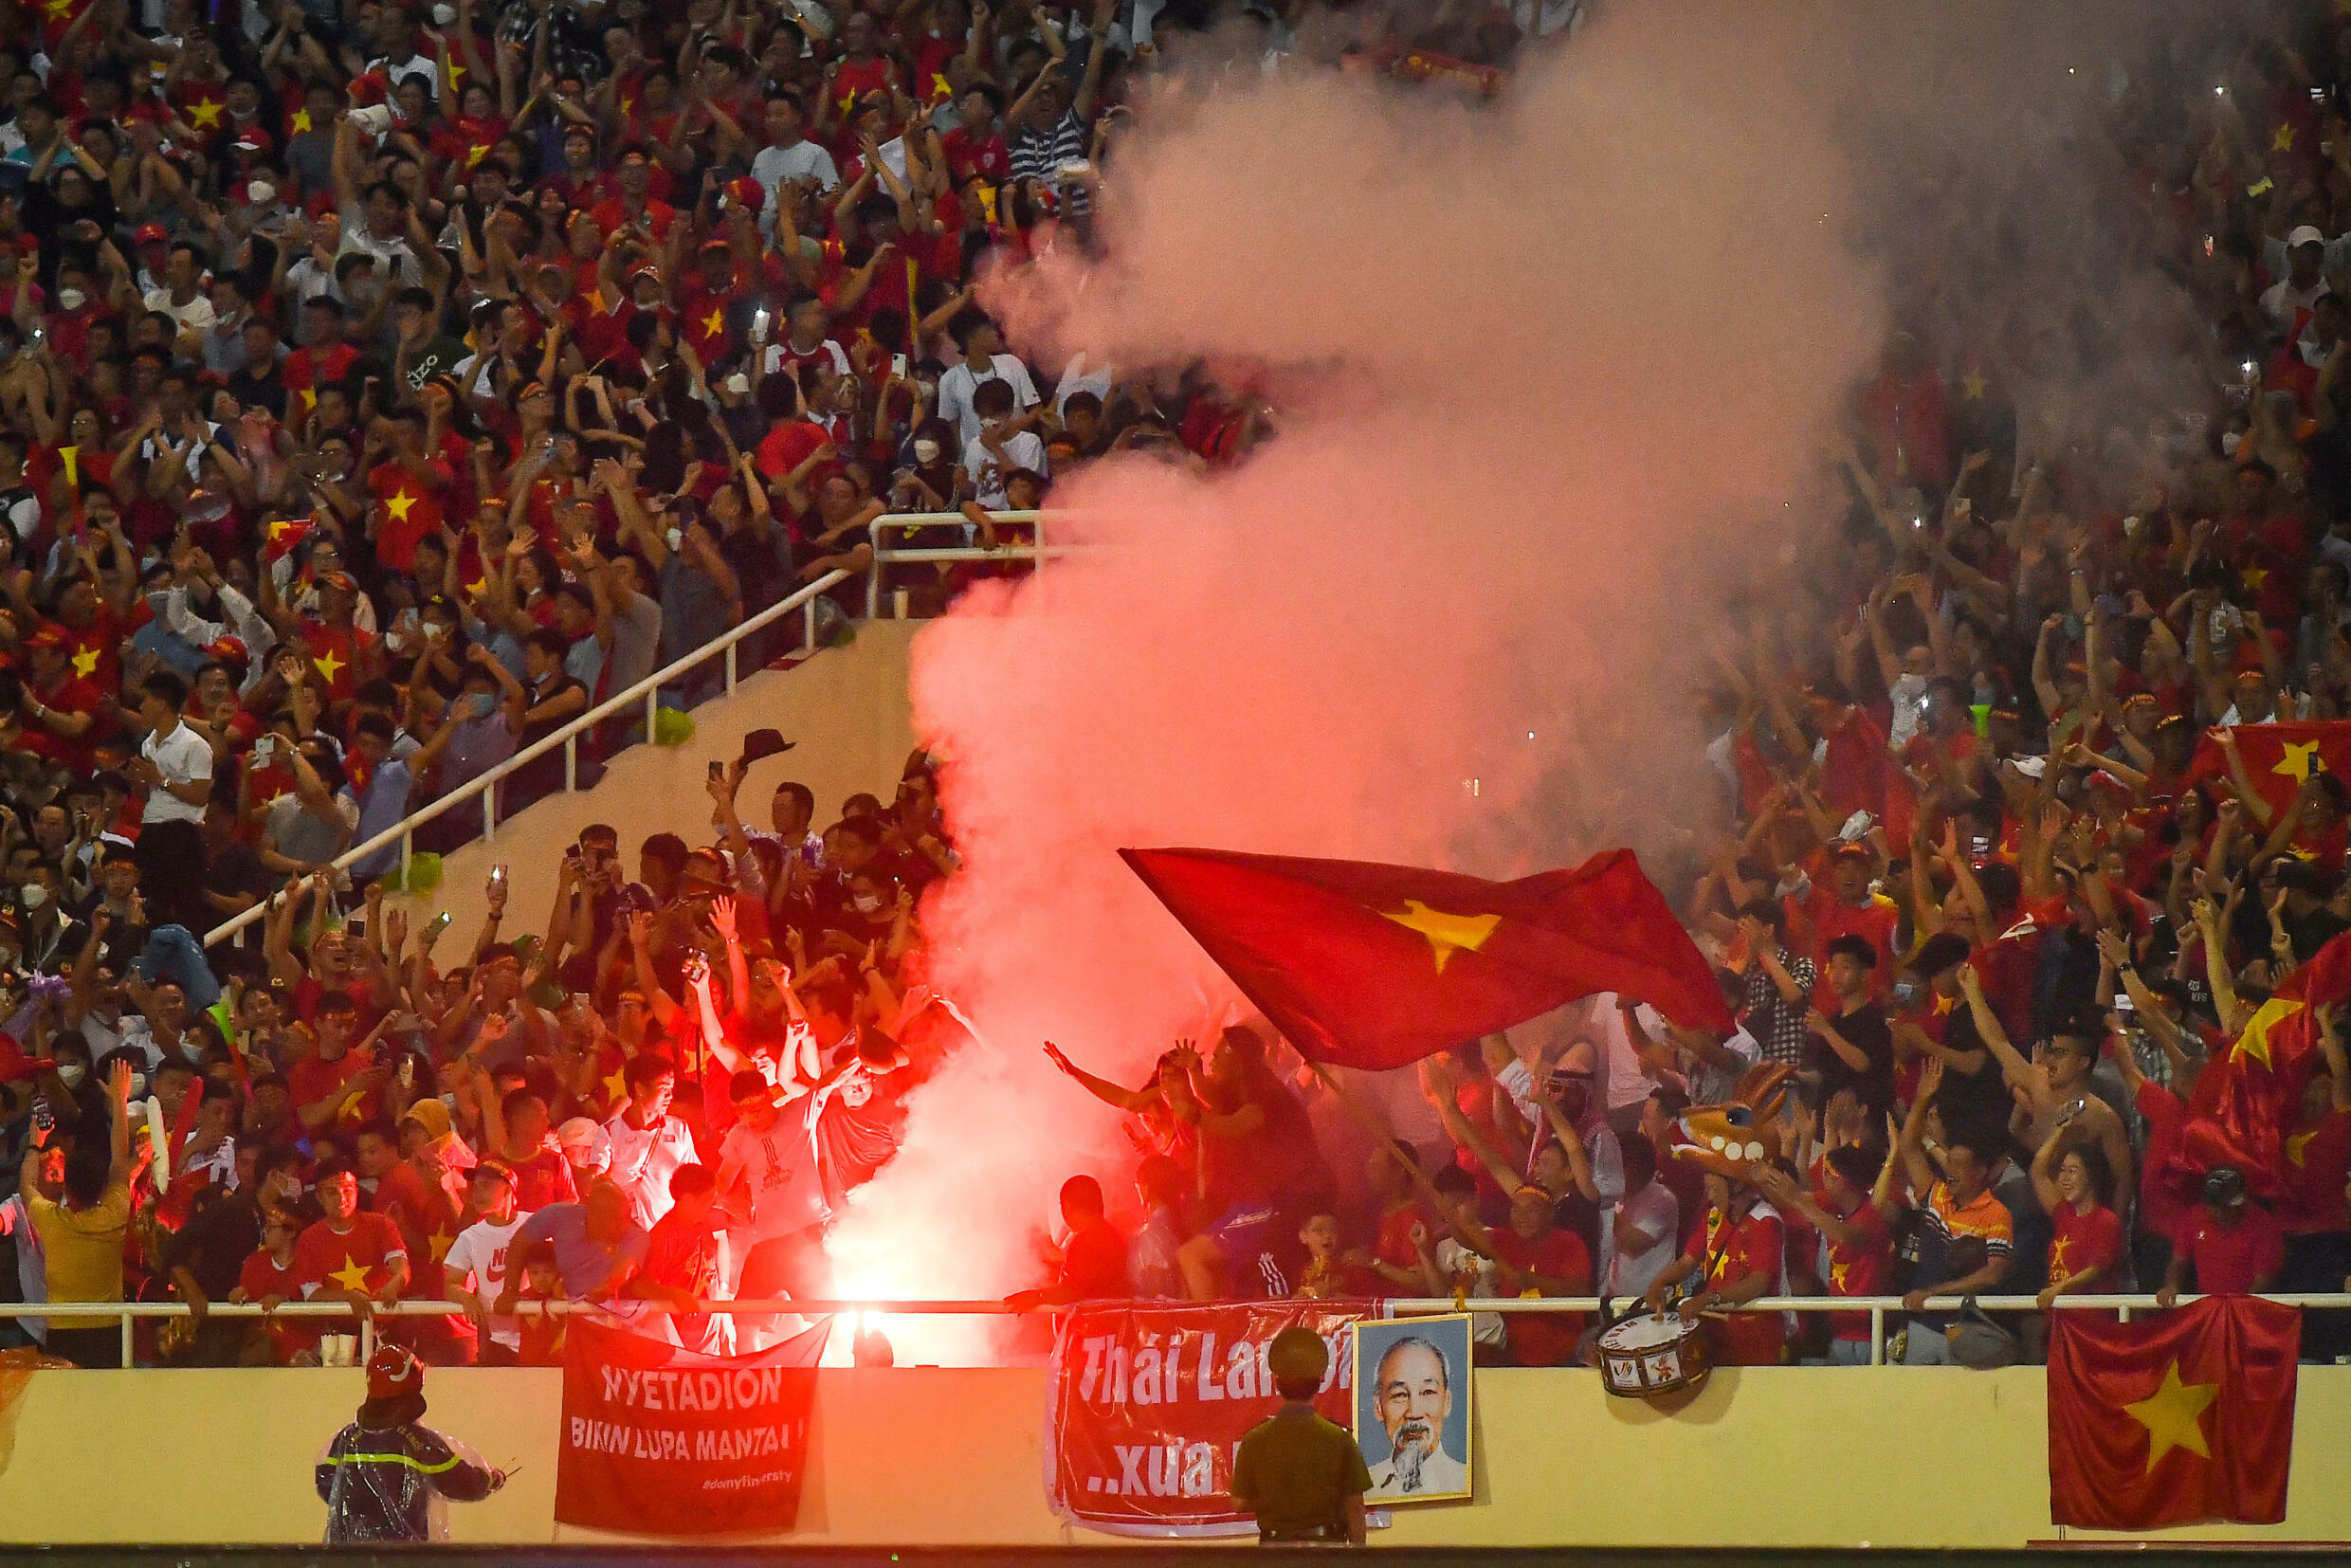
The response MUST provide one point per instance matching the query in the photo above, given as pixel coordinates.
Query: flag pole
(1376, 1124)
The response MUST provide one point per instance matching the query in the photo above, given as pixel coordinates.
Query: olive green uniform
(1295, 1472)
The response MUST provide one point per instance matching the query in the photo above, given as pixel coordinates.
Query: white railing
(903, 522)
(128, 1313)
(647, 691)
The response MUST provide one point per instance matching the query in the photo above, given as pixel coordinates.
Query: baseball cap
(152, 233)
(500, 1169)
(585, 1139)
(2305, 235)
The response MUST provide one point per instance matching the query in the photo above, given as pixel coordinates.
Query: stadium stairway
(846, 707)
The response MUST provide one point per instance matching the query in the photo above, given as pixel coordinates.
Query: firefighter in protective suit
(384, 1477)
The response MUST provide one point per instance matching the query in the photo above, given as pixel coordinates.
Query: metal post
(367, 1339)
(729, 666)
(1877, 1335)
(407, 841)
(126, 1340)
(2123, 1314)
(808, 626)
(489, 810)
(652, 710)
(873, 579)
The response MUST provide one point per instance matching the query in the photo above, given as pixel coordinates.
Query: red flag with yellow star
(2250, 1094)
(1375, 966)
(2173, 1417)
(2278, 757)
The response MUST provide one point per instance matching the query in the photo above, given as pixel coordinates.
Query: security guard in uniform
(1302, 1477)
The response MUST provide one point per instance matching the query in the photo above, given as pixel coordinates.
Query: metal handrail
(128, 1313)
(647, 690)
(906, 521)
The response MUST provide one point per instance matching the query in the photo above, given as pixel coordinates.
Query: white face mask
(71, 299)
(260, 193)
(71, 1073)
(676, 538)
(925, 449)
(33, 895)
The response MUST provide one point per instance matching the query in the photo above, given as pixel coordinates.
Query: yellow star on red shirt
(86, 662)
(398, 505)
(713, 322)
(57, 10)
(2284, 140)
(441, 1241)
(2298, 1145)
(301, 121)
(329, 666)
(616, 1086)
(350, 1276)
(205, 112)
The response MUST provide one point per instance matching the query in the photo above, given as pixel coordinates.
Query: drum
(1644, 1357)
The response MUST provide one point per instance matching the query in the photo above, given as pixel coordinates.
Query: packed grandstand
(385, 387)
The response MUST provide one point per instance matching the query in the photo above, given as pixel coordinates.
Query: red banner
(658, 1441)
(1150, 1401)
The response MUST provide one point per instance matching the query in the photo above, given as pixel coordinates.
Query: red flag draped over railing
(2173, 1417)
(1375, 966)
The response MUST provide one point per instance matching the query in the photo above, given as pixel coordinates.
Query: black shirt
(1865, 1031)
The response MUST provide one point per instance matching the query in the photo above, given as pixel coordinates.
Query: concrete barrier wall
(1777, 1457)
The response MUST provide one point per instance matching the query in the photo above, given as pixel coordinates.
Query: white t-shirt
(958, 381)
(775, 165)
(779, 1165)
(182, 757)
(1655, 1211)
(194, 315)
(643, 1162)
(1024, 450)
(478, 1254)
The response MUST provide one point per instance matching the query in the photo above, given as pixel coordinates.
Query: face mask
(138, 1086)
(34, 895)
(865, 904)
(434, 631)
(676, 538)
(925, 449)
(260, 193)
(2229, 443)
(479, 704)
(71, 1073)
(70, 300)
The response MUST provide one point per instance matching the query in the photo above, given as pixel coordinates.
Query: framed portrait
(1411, 1408)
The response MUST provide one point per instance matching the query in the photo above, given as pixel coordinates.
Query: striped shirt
(1036, 155)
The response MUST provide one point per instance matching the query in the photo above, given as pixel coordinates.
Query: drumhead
(1646, 1333)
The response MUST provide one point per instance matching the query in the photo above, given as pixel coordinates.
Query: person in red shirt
(1847, 907)
(1394, 1255)
(408, 485)
(1534, 1256)
(337, 1085)
(2233, 1246)
(2085, 1243)
(350, 1255)
(269, 1278)
(975, 146)
(64, 713)
(1855, 1226)
(1735, 1254)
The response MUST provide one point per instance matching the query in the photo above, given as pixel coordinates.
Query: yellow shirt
(83, 1248)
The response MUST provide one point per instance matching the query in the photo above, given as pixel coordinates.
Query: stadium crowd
(383, 387)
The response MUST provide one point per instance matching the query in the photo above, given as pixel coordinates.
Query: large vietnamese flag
(2278, 757)
(2249, 1096)
(2173, 1417)
(1375, 966)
